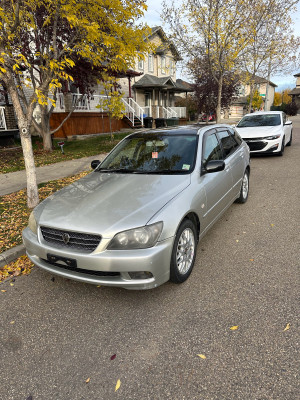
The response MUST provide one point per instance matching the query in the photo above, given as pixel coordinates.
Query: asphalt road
(57, 334)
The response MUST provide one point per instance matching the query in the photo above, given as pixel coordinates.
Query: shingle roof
(165, 82)
(295, 91)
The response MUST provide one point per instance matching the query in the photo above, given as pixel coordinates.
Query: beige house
(239, 105)
(155, 88)
(295, 93)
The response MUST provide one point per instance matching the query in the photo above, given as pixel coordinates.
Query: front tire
(280, 153)
(291, 138)
(244, 189)
(184, 252)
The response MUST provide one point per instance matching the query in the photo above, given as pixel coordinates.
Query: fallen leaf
(118, 385)
(287, 327)
(88, 379)
(251, 259)
(98, 285)
(12, 322)
(272, 225)
(113, 356)
(3, 291)
(234, 328)
(201, 356)
(11, 284)
(237, 240)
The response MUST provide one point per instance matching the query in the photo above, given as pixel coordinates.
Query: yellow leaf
(12, 322)
(237, 240)
(11, 284)
(88, 379)
(287, 327)
(3, 291)
(272, 225)
(201, 356)
(118, 385)
(234, 328)
(251, 259)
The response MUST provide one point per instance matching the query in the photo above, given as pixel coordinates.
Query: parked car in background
(211, 117)
(136, 220)
(266, 131)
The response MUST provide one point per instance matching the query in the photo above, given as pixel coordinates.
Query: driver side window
(212, 149)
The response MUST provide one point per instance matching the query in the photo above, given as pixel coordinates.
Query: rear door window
(229, 144)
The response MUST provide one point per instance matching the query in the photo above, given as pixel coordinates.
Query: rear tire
(184, 252)
(244, 188)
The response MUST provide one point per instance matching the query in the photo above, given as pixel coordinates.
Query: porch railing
(2, 119)
(138, 110)
(180, 111)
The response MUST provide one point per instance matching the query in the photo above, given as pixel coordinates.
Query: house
(149, 92)
(295, 93)
(239, 105)
(154, 90)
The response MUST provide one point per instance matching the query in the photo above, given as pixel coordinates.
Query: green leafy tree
(38, 42)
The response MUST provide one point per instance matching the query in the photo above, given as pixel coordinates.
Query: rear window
(259, 120)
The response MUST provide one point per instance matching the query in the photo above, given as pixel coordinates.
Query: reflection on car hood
(259, 131)
(107, 203)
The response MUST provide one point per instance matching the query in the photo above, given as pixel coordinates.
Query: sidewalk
(14, 181)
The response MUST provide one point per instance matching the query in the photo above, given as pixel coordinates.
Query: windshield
(159, 153)
(259, 120)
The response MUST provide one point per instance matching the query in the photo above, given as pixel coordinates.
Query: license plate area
(59, 261)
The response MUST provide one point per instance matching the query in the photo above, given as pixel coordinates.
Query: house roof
(258, 79)
(168, 44)
(187, 87)
(165, 82)
(295, 91)
(296, 75)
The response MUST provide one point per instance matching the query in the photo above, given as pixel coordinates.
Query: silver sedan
(136, 220)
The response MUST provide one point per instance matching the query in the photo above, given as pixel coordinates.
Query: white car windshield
(154, 154)
(259, 120)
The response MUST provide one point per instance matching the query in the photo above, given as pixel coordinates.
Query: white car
(266, 131)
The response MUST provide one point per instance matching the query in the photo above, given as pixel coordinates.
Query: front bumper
(261, 145)
(107, 268)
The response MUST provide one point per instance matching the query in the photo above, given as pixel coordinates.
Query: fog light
(140, 275)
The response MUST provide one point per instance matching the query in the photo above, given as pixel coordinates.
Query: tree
(39, 40)
(277, 99)
(207, 88)
(214, 29)
(256, 101)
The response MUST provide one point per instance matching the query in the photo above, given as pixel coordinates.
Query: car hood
(106, 203)
(259, 131)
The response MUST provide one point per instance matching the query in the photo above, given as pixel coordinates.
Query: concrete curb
(11, 255)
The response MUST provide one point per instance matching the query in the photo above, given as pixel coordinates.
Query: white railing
(180, 111)
(166, 113)
(129, 111)
(172, 112)
(2, 119)
(138, 111)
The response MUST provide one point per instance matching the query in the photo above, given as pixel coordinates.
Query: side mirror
(215, 166)
(95, 163)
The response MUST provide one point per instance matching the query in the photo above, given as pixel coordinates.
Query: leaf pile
(14, 212)
(22, 266)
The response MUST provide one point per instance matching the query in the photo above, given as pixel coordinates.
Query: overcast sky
(152, 17)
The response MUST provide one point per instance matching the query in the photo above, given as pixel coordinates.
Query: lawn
(12, 159)
(14, 215)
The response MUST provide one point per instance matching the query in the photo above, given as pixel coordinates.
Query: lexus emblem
(65, 238)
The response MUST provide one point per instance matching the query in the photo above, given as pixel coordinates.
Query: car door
(233, 156)
(217, 185)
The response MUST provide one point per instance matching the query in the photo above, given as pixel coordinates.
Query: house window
(163, 64)
(172, 67)
(150, 63)
(141, 65)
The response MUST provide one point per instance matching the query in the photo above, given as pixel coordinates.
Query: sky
(152, 17)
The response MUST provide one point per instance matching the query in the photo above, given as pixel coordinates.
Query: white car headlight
(273, 137)
(32, 223)
(138, 238)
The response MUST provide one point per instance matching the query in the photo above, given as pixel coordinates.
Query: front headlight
(32, 223)
(273, 137)
(138, 238)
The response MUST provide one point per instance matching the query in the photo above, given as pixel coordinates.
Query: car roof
(195, 129)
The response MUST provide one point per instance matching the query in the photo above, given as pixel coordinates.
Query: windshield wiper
(122, 170)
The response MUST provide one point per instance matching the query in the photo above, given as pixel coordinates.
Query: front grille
(71, 240)
(257, 145)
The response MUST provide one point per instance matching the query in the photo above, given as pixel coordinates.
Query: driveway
(64, 340)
